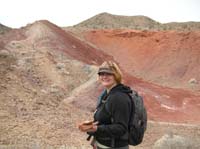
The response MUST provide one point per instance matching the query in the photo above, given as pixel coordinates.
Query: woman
(110, 126)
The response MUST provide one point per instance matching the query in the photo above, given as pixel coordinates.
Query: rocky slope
(110, 21)
(40, 66)
(4, 29)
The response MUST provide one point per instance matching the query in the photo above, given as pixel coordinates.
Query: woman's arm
(119, 107)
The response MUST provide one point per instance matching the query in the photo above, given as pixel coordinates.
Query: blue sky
(18, 13)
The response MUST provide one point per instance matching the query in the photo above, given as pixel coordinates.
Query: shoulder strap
(131, 97)
(102, 97)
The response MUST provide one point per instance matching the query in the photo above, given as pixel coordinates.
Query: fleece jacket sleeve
(119, 107)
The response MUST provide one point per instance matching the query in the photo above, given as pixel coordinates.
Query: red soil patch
(169, 58)
(167, 104)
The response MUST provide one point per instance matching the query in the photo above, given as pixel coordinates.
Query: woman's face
(107, 79)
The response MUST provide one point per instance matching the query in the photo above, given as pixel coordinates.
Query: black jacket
(116, 106)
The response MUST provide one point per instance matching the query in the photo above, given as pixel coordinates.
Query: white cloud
(18, 13)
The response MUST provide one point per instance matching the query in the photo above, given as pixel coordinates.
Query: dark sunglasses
(105, 74)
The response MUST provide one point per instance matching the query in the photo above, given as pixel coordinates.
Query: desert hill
(168, 58)
(40, 66)
(49, 83)
(44, 33)
(182, 26)
(4, 29)
(110, 21)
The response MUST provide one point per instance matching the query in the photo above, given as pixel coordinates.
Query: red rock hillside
(168, 58)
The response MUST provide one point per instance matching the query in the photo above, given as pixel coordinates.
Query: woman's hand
(88, 126)
(93, 128)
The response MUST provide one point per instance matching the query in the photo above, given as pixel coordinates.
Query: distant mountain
(188, 26)
(110, 21)
(3, 28)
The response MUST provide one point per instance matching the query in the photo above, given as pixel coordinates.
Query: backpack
(138, 118)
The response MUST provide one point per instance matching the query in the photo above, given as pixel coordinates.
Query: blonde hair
(114, 68)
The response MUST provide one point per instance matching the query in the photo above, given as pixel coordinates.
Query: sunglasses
(105, 74)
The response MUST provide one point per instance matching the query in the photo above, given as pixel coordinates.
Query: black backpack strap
(101, 98)
(113, 139)
(131, 97)
(103, 101)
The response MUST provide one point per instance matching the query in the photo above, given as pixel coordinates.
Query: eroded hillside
(49, 83)
(40, 66)
(167, 58)
(111, 21)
